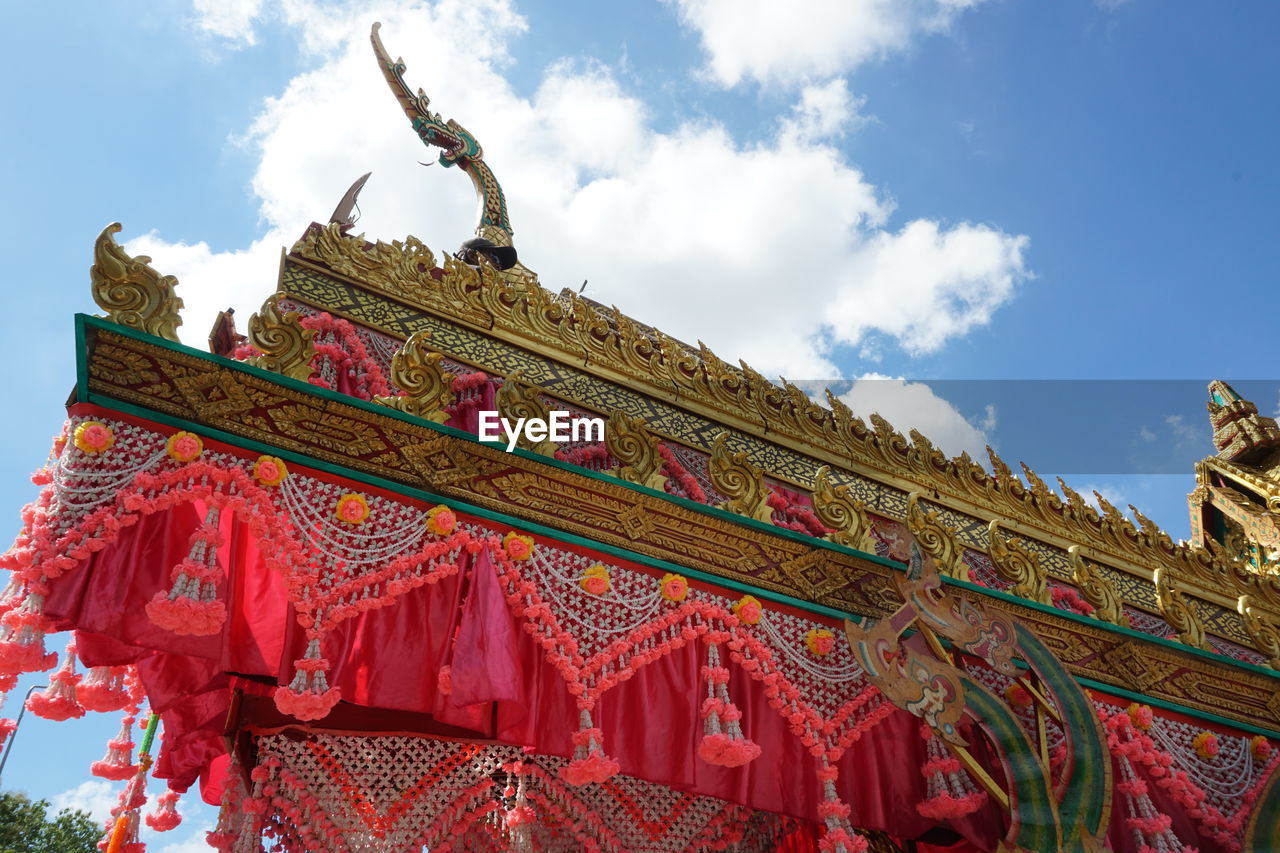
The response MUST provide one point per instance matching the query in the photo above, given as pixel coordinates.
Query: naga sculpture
(458, 147)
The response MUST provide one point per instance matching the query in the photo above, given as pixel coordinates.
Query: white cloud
(825, 112)
(1182, 431)
(230, 19)
(789, 43)
(96, 797)
(1110, 493)
(914, 405)
(769, 251)
(925, 285)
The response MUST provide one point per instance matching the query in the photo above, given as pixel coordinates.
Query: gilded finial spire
(1239, 433)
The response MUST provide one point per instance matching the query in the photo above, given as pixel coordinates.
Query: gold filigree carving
(416, 370)
(847, 517)
(1178, 612)
(628, 441)
(1265, 634)
(285, 345)
(937, 539)
(518, 399)
(604, 342)
(739, 481)
(1018, 565)
(130, 291)
(1097, 590)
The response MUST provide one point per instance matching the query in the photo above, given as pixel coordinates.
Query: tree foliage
(27, 827)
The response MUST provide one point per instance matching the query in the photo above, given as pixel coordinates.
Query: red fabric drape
(502, 687)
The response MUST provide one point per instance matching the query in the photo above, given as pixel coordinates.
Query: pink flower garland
(349, 355)
(1068, 598)
(685, 482)
(791, 511)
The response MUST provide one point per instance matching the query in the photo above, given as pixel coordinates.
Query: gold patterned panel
(372, 442)
(793, 440)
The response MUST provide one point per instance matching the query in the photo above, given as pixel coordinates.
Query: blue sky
(936, 190)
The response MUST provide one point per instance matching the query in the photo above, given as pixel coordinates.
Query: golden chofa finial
(130, 291)
(1239, 432)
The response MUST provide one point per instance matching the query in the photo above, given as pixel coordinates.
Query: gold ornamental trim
(611, 346)
(190, 387)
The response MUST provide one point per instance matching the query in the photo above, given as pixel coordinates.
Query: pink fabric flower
(270, 471)
(184, 446)
(727, 751)
(748, 610)
(93, 437)
(1017, 696)
(441, 520)
(305, 704)
(1206, 745)
(595, 580)
(1141, 715)
(518, 547)
(595, 767)
(674, 587)
(820, 642)
(352, 508)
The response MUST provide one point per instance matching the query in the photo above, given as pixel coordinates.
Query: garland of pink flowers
(1069, 598)
(952, 793)
(791, 510)
(348, 355)
(1127, 738)
(593, 456)
(39, 556)
(688, 621)
(686, 484)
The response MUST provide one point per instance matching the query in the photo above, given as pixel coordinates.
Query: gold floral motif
(130, 291)
(1265, 634)
(1097, 590)
(846, 517)
(631, 444)
(1017, 565)
(285, 345)
(518, 399)
(416, 370)
(937, 539)
(739, 481)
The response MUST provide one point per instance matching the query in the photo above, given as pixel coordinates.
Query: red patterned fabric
(467, 653)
